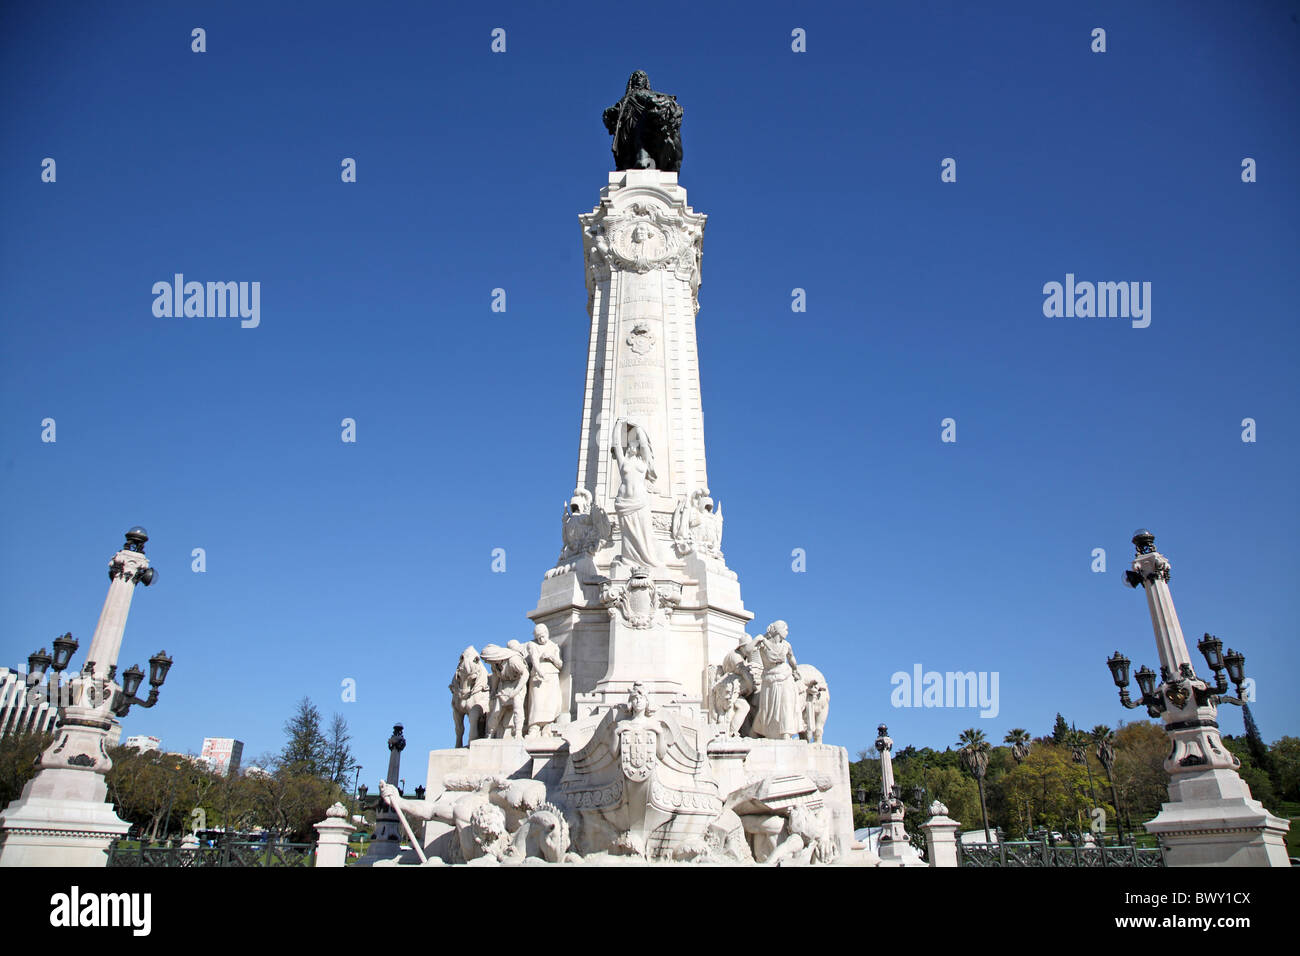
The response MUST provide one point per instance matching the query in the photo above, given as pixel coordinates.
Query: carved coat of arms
(638, 747)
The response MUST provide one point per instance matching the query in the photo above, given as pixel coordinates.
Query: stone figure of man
(508, 685)
(729, 705)
(544, 664)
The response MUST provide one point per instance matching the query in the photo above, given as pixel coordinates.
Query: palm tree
(975, 755)
(1104, 738)
(1020, 742)
(1078, 742)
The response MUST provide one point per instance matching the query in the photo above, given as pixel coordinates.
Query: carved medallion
(641, 339)
(645, 238)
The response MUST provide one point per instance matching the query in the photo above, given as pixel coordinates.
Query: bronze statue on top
(647, 127)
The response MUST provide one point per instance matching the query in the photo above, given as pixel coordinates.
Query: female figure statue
(636, 466)
(544, 665)
(777, 714)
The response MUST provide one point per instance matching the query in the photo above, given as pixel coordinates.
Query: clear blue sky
(818, 170)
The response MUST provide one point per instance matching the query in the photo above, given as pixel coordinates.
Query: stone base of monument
(388, 839)
(378, 851)
(61, 819)
(752, 781)
(899, 853)
(1212, 820)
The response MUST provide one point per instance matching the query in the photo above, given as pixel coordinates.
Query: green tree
(18, 756)
(1286, 760)
(949, 785)
(1258, 749)
(1060, 731)
(306, 751)
(338, 749)
(288, 803)
(1045, 789)
(156, 792)
(1255, 776)
(1078, 742)
(1103, 739)
(1140, 751)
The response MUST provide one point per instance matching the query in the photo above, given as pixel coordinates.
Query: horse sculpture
(469, 696)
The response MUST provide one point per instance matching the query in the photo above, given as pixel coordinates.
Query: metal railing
(226, 854)
(1043, 853)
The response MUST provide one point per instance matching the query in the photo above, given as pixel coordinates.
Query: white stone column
(643, 245)
(642, 248)
(1211, 818)
(125, 570)
(332, 839)
(940, 837)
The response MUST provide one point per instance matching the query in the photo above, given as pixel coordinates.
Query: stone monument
(62, 817)
(642, 723)
(1211, 818)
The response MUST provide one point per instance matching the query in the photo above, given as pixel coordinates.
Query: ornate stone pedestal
(61, 818)
(941, 837)
(1212, 820)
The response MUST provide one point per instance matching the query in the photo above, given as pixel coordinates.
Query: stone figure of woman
(544, 663)
(636, 466)
(779, 695)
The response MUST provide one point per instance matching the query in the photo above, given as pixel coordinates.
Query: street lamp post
(388, 832)
(61, 818)
(388, 828)
(355, 778)
(1211, 818)
(1106, 755)
(894, 848)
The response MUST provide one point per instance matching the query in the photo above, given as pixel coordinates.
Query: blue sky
(818, 170)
